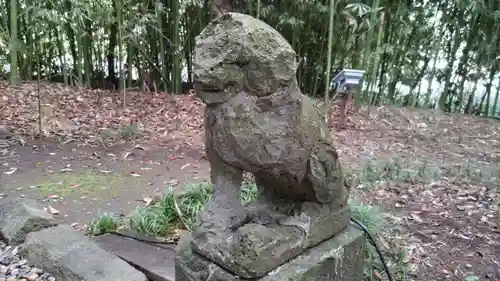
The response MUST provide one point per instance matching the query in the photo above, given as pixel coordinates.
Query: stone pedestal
(339, 258)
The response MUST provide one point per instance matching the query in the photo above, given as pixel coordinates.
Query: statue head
(237, 52)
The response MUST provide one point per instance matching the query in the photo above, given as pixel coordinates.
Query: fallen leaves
(127, 154)
(76, 114)
(12, 171)
(52, 210)
(417, 218)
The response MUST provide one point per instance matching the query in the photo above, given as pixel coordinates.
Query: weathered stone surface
(257, 120)
(71, 256)
(4, 132)
(20, 216)
(337, 259)
(243, 251)
(238, 52)
(155, 261)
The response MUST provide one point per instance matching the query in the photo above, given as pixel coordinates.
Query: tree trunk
(470, 101)
(418, 80)
(493, 71)
(176, 55)
(13, 44)
(62, 57)
(71, 37)
(464, 60)
(396, 67)
(329, 60)
(87, 53)
(449, 69)
(113, 38)
(495, 102)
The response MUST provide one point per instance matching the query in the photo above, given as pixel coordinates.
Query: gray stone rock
(337, 259)
(15, 272)
(71, 256)
(20, 216)
(36, 270)
(32, 277)
(5, 259)
(4, 132)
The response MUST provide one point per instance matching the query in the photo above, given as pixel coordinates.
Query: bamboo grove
(442, 54)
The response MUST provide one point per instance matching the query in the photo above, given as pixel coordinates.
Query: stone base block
(339, 258)
(241, 251)
(20, 216)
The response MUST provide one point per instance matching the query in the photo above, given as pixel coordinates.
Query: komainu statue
(258, 121)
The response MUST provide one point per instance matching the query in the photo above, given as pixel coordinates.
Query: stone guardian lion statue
(258, 121)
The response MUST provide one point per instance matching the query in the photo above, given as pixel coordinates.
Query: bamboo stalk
(329, 60)
(13, 45)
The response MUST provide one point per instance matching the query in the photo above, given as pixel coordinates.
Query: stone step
(156, 261)
(71, 256)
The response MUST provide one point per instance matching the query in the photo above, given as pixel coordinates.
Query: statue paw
(223, 221)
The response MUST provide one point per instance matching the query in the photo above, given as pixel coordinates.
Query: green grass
(105, 223)
(397, 258)
(129, 132)
(371, 217)
(411, 171)
(475, 173)
(175, 211)
(76, 182)
(395, 169)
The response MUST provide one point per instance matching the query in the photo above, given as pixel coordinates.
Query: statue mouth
(210, 89)
(207, 88)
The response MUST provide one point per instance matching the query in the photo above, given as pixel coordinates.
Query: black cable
(145, 240)
(374, 244)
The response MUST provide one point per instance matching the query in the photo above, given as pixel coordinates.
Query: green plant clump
(178, 211)
(105, 223)
(395, 170)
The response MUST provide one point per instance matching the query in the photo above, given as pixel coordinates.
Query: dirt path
(82, 182)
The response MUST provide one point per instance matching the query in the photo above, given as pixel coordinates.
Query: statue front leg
(224, 210)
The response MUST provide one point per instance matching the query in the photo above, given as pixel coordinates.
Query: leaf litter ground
(435, 175)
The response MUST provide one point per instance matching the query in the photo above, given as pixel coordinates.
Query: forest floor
(435, 176)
